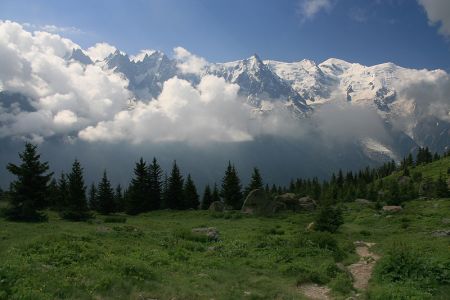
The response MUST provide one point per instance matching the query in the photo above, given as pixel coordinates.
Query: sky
(410, 33)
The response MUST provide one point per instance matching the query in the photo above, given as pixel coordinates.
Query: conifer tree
(53, 194)
(29, 191)
(76, 208)
(165, 189)
(92, 197)
(63, 193)
(105, 196)
(231, 188)
(174, 195)
(155, 185)
(207, 198)
(138, 190)
(441, 188)
(256, 182)
(191, 198)
(215, 194)
(329, 219)
(119, 199)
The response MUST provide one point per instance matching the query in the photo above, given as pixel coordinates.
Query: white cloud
(438, 12)
(100, 51)
(66, 96)
(189, 63)
(308, 9)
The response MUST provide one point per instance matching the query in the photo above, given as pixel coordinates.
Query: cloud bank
(308, 9)
(438, 12)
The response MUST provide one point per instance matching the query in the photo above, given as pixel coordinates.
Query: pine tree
(76, 209)
(175, 189)
(441, 188)
(256, 182)
(138, 190)
(63, 193)
(155, 185)
(231, 188)
(105, 196)
(329, 219)
(92, 199)
(215, 194)
(119, 199)
(53, 194)
(191, 198)
(207, 198)
(29, 191)
(165, 189)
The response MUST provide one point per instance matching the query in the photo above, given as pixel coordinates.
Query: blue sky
(368, 32)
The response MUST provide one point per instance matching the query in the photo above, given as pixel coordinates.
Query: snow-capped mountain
(304, 87)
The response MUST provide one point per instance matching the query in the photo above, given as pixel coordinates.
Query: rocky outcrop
(217, 206)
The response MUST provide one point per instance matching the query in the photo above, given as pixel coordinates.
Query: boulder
(257, 202)
(363, 201)
(307, 203)
(217, 206)
(211, 232)
(441, 233)
(392, 208)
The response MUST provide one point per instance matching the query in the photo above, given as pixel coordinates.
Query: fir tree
(191, 198)
(231, 188)
(105, 196)
(441, 188)
(174, 195)
(53, 194)
(63, 193)
(256, 182)
(155, 185)
(207, 198)
(92, 198)
(76, 209)
(119, 199)
(138, 190)
(329, 219)
(29, 191)
(215, 194)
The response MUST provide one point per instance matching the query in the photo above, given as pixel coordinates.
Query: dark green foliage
(115, 219)
(393, 197)
(191, 198)
(441, 188)
(93, 197)
(207, 198)
(155, 185)
(53, 194)
(76, 208)
(231, 188)
(119, 199)
(138, 190)
(63, 193)
(256, 182)
(215, 193)
(329, 219)
(424, 156)
(174, 194)
(29, 190)
(105, 196)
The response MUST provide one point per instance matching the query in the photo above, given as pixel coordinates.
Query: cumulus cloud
(308, 9)
(211, 111)
(100, 51)
(438, 12)
(64, 96)
(53, 28)
(189, 63)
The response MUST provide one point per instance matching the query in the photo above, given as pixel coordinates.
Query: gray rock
(363, 201)
(440, 233)
(307, 203)
(217, 206)
(257, 202)
(392, 208)
(211, 232)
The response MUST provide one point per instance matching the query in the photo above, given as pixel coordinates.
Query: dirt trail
(362, 270)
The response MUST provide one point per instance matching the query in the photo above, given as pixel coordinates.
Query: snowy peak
(79, 56)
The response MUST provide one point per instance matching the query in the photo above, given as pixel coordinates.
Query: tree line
(36, 188)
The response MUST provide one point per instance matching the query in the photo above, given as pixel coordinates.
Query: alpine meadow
(299, 149)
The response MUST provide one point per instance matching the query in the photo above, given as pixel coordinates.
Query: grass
(155, 255)
(432, 170)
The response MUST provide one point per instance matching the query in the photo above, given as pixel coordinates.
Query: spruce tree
(174, 195)
(119, 199)
(231, 188)
(53, 194)
(63, 193)
(207, 198)
(256, 182)
(139, 189)
(191, 198)
(441, 188)
(76, 209)
(155, 185)
(215, 194)
(105, 196)
(92, 198)
(329, 219)
(29, 191)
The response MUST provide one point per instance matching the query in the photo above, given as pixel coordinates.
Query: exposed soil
(362, 270)
(315, 292)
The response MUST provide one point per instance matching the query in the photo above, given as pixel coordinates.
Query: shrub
(342, 284)
(115, 219)
(329, 219)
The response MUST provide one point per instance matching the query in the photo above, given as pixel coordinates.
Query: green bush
(342, 284)
(329, 219)
(115, 219)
